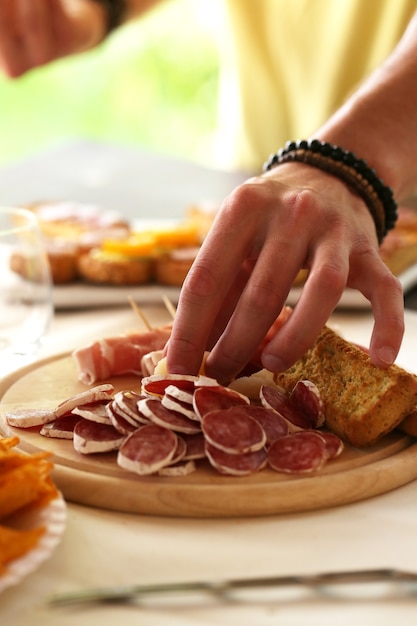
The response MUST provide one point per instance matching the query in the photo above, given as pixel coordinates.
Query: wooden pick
(170, 307)
(139, 312)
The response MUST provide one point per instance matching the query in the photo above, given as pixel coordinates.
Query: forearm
(379, 122)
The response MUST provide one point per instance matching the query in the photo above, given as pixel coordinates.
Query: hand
(265, 232)
(35, 32)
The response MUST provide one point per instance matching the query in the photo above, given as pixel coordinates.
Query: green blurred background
(152, 84)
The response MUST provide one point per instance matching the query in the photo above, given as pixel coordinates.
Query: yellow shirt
(287, 65)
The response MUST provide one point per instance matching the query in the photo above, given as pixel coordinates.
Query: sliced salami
(334, 445)
(183, 468)
(298, 453)
(158, 414)
(212, 398)
(181, 407)
(176, 393)
(273, 424)
(155, 385)
(233, 430)
(125, 403)
(306, 398)
(236, 464)
(95, 412)
(61, 428)
(95, 394)
(118, 421)
(148, 449)
(195, 446)
(93, 438)
(277, 399)
(27, 418)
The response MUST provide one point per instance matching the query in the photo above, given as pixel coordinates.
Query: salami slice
(148, 449)
(156, 384)
(298, 453)
(95, 394)
(178, 469)
(277, 399)
(211, 398)
(95, 412)
(92, 438)
(61, 428)
(158, 414)
(125, 403)
(183, 396)
(236, 464)
(180, 407)
(306, 398)
(273, 424)
(118, 421)
(233, 430)
(334, 445)
(195, 446)
(27, 418)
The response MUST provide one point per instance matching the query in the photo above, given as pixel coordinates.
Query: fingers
(36, 30)
(26, 35)
(387, 301)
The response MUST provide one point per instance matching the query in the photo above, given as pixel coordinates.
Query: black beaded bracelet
(351, 170)
(115, 12)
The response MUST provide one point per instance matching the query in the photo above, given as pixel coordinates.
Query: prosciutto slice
(121, 354)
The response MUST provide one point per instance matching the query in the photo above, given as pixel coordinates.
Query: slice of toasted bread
(363, 402)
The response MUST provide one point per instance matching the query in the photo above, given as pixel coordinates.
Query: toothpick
(170, 307)
(139, 312)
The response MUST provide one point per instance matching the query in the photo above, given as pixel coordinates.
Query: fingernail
(273, 363)
(386, 355)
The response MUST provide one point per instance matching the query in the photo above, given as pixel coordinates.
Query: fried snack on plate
(25, 483)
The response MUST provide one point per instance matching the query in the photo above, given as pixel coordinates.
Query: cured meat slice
(195, 446)
(27, 418)
(233, 430)
(95, 412)
(298, 453)
(273, 424)
(178, 469)
(236, 464)
(334, 445)
(92, 438)
(179, 394)
(95, 394)
(306, 397)
(118, 355)
(213, 398)
(155, 385)
(126, 404)
(61, 428)
(180, 451)
(118, 420)
(158, 414)
(148, 449)
(180, 407)
(277, 399)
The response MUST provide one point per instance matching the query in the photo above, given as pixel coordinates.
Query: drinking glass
(26, 303)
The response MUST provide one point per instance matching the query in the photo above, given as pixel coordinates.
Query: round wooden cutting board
(96, 480)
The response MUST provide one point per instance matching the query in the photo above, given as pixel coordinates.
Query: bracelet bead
(346, 166)
(115, 11)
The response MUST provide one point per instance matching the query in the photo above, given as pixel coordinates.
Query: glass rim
(30, 218)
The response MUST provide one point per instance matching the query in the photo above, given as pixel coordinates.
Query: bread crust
(363, 402)
(97, 268)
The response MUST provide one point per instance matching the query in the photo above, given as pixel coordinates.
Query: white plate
(352, 299)
(53, 518)
(78, 296)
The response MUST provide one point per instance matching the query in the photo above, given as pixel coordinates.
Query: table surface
(102, 548)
